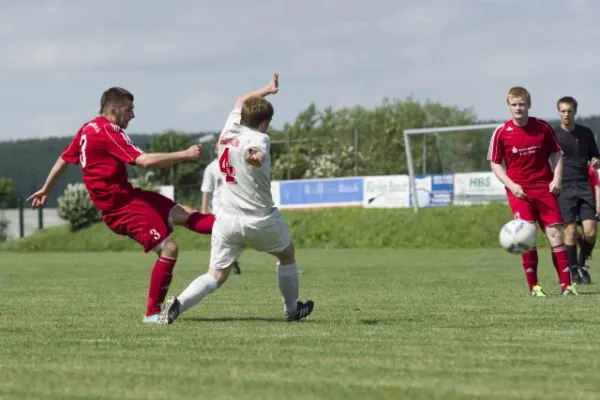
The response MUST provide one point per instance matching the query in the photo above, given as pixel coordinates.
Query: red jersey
(525, 151)
(593, 179)
(103, 149)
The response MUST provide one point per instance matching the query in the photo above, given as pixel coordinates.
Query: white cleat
(151, 319)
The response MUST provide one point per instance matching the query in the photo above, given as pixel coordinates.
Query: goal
(446, 150)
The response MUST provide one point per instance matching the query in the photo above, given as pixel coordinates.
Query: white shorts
(232, 233)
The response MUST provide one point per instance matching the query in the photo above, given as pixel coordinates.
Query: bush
(76, 207)
(146, 182)
(4, 230)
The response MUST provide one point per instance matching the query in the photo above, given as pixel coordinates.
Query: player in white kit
(212, 180)
(247, 217)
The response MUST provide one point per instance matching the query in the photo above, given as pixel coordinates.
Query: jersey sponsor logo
(526, 150)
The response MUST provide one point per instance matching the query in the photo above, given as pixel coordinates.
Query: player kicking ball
(525, 144)
(247, 217)
(103, 149)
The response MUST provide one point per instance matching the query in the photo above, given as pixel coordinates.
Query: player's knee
(590, 231)
(169, 249)
(570, 232)
(220, 275)
(287, 256)
(554, 235)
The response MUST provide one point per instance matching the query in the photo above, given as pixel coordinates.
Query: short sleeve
(208, 181)
(119, 145)
(234, 118)
(550, 140)
(72, 153)
(496, 148)
(593, 177)
(259, 141)
(593, 146)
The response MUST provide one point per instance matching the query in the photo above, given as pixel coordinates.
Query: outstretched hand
(38, 198)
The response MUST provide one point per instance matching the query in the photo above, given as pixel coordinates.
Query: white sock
(288, 285)
(196, 291)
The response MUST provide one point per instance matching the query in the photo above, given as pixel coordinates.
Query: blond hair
(519, 91)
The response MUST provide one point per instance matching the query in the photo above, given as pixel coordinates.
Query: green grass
(388, 324)
(346, 228)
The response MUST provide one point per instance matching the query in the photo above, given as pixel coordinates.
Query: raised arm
(270, 88)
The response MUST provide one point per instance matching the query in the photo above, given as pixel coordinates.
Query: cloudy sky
(186, 63)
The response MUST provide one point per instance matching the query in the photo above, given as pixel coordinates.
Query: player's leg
(550, 217)
(183, 215)
(160, 279)
(225, 249)
(587, 215)
(144, 224)
(522, 209)
(271, 235)
(569, 210)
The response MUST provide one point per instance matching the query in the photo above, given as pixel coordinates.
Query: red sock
(561, 263)
(159, 283)
(201, 223)
(530, 265)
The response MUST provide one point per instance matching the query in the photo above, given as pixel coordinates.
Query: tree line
(319, 143)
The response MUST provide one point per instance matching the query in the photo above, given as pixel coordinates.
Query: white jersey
(212, 181)
(246, 189)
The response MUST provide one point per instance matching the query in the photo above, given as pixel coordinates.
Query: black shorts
(576, 201)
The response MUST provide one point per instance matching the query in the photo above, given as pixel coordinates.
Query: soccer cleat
(303, 310)
(236, 268)
(170, 311)
(576, 275)
(585, 275)
(570, 291)
(537, 291)
(151, 319)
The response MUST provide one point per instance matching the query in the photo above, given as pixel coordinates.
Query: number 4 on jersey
(225, 167)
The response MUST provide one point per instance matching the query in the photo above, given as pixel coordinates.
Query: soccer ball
(518, 237)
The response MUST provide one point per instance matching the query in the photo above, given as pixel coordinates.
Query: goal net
(460, 150)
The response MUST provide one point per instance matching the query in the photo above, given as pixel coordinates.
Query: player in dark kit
(576, 199)
(103, 149)
(525, 144)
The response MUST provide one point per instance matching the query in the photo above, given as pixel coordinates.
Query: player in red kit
(103, 149)
(525, 144)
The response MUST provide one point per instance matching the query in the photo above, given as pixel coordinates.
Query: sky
(186, 63)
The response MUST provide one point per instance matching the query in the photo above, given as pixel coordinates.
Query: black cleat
(302, 311)
(236, 268)
(170, 311)
(584, 273)
(576, 275)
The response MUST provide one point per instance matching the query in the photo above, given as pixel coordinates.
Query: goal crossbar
(424, 131)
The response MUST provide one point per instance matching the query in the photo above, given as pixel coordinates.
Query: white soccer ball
(518, 237)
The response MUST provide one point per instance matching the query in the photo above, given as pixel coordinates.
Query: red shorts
(539, 206)
(145, 219)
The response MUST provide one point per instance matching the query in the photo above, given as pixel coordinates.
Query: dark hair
(114, 97)
(567, 100)
(255, 111)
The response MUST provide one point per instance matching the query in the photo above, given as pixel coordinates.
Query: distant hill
(27, 163)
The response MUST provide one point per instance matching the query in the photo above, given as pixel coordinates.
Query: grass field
(388, 324)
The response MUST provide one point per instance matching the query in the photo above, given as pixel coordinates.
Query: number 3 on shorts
(225, 168)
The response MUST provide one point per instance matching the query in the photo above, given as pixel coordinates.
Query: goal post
(455, 147)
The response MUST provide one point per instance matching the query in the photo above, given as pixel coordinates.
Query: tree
(184, 176)
(7, 192)
(331, 137)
